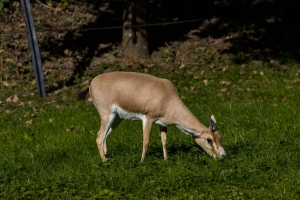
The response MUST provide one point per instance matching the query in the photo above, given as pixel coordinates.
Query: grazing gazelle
(136, 96)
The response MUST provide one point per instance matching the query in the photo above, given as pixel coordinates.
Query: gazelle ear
(213, 118)
(188, 131)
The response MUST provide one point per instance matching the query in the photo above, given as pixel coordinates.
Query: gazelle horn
(212, 125)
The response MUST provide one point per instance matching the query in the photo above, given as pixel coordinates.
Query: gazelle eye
(209, 141)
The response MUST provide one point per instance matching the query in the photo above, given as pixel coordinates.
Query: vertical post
(34, 47)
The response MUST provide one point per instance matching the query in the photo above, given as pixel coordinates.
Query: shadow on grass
(233, 150)
(175, 150)
(239, 148)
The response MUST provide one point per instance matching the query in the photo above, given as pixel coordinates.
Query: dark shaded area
(86, 39)
(266, 29)
(173, 150)
(168, 11)
(240, 147)
(261, 29)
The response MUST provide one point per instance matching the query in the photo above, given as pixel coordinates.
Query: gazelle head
(210, 140)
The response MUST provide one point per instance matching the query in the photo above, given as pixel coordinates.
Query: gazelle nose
(222, 152)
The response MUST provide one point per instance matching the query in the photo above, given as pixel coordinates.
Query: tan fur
(155, 99)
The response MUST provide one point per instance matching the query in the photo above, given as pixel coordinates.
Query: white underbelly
(159, 122)
(123, 114)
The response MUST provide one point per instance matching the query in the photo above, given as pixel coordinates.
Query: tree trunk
(134, 42)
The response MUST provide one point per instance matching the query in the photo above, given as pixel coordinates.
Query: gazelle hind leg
(163, 134)
(147, 124)
(113, 124)
(101, 138)
(107, 125)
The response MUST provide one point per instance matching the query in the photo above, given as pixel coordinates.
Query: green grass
(257, 114)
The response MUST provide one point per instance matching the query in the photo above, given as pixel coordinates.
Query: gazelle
(137, 96)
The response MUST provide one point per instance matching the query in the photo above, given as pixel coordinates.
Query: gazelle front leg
(163, 134)
(147, 124)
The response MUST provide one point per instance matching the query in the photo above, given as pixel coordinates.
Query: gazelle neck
(185, 118)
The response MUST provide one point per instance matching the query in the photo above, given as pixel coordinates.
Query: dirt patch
(74, 43)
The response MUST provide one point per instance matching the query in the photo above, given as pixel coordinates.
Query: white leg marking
(163, 133)
(144, 122)
(146, 136)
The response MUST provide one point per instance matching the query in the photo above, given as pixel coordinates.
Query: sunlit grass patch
(48, 150)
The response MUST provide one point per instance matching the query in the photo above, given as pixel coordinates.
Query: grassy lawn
(48, 149)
